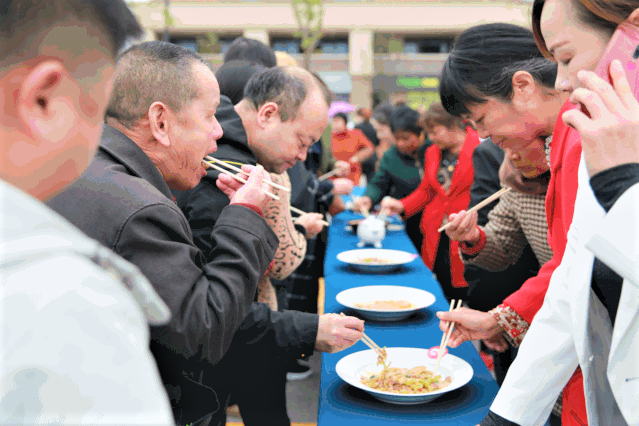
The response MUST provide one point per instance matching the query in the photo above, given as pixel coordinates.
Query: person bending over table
(400, 170)
(445, 189)
(264, 128)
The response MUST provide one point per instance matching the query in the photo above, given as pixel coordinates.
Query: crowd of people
(141, 285)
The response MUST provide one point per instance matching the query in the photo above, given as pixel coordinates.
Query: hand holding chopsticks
(480, 205)
(235, 169)
(369, 342)
(298, 211)
(239, 179)
(446, 336)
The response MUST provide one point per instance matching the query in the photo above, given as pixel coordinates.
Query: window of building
(427, 45)
(289, 45)
(293, 46)
(189, 42)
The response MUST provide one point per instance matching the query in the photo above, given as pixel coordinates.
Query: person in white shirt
(74, 323)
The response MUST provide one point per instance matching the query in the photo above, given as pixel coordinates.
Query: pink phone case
(624, 45)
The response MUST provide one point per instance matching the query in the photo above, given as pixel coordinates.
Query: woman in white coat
(590, 315)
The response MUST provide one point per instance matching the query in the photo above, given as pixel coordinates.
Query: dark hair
(233, 77)
(288, 87)
(247, 49)
(154, 71)
(22, 20)
(404, 118)
(437, 115)
(483, 62)
(601, 15)
(383, 112)
(342, 116)
(365, 113)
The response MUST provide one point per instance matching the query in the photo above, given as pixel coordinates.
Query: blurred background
(367, 51)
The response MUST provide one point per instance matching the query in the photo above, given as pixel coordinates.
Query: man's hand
(463, 227)
(312, 223)
(391, 206)
(343, 167)
(336, 333)
(342, 186)
(363, 204)
(248, 193)
(469, 325)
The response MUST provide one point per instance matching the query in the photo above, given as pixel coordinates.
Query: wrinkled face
(526, 156)
(193, 133)
(407, 142)
(281, 144)
(338, 125)
(574, 46)
(384, 133)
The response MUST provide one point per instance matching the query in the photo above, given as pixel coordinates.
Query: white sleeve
(74, 348)
(546, 359)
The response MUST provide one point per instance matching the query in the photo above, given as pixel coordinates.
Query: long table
(342, 404)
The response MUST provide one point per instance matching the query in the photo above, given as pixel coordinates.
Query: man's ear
(159, 123)
(43, 105)
(267, 113)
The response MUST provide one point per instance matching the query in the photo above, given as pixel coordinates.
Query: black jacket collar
(126, 152)
(233, 146)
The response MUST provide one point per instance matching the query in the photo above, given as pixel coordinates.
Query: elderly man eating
(160, 124)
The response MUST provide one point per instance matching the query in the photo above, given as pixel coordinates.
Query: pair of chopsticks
(369, 342)
(329, 174)
(480, 205)
(212, 162)
(446, 336)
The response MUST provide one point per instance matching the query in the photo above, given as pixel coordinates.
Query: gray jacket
(123, 202)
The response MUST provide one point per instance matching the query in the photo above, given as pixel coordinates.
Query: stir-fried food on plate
(385, 305)
(373, 260)
(403, 380)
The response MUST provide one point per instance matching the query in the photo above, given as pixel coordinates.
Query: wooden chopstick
(221, 170)
(450, 332)
(452, 302)
(329, 174)
(480, 205)
(298, 211)
(369, 342)
(238, 170)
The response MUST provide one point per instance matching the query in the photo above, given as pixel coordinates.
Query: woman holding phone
(590, 316)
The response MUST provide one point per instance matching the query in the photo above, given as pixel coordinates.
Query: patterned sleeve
(505, 239)
(514, 326)
(292, 248)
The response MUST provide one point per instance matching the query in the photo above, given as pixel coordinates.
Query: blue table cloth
(342, 404)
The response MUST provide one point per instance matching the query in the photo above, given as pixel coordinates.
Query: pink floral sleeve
(514, 326)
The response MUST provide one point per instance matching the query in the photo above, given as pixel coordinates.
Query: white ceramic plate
(419, 298)
(393, 259)
(353, 366)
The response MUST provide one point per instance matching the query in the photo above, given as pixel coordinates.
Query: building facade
(371, 50)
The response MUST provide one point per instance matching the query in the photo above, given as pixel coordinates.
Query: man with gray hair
(284, 111)
(160, 124)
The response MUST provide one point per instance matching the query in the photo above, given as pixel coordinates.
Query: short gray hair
(150, 72)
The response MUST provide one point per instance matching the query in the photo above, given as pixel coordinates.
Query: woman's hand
(363, 204)
(610, 136)
(469, 325)
(391, 206)
(463, 227)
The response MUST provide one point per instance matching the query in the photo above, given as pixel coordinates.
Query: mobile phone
(624, 46)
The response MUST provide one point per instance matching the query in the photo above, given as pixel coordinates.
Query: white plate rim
(409, 257)
(356, 383)
(357, 308)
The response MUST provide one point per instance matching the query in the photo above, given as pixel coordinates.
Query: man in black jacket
(158, 131)
(283, 112)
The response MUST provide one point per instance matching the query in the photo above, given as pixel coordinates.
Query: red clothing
(438, 204)
(347, 144)
(565, 154)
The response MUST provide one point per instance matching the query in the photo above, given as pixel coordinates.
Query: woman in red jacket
(509, 93)
(445, 188)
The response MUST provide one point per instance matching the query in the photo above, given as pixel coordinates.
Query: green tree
(309, 15)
